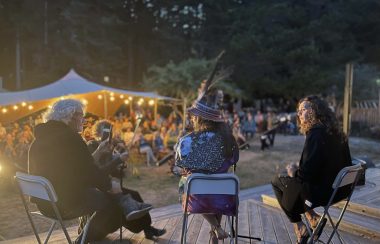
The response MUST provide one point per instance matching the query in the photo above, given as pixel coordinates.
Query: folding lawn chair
(348, 176)
(40, 187)
(225, 184)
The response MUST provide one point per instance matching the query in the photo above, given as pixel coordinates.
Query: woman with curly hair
(325, 153)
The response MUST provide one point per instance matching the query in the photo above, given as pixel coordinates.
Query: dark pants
(142, 223)
(288, 192)
(108, 216)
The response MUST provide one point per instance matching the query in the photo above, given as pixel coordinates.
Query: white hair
(64, 110)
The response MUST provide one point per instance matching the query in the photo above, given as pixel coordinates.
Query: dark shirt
(59, 154)
(323, 156)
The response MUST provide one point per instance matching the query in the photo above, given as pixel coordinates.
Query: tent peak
(71, 75)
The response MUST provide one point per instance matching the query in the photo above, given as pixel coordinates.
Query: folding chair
(40, 187)
(347, 176)
(224, 184)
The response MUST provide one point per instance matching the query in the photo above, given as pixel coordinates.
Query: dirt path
(159, 187)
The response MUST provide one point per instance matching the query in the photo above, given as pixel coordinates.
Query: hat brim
(199, 113)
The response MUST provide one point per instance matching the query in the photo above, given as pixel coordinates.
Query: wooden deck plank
(194, 228)
(176, 237)
(243, 219)
(170, 228)
(204, 233)
(289, 228)
(268, 230)
(281, 231)
(254, 220)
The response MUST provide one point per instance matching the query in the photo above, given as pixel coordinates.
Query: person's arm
(103, 147)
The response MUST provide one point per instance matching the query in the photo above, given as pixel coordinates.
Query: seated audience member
(324, 154)
(249, 126)
(60, 154)
(171, 136)
(236, 131)
(210, 148)
(144, 147)
(158, 143)
(109, 163)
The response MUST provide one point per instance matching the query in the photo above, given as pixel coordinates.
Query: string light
(30, 107)
(130, 98)
(139, 103)
(4, 110)
(84, 101)
(151, 102)
(15, 107)
(126, 101)
(141, 100)
(100, 97)
(112, 94)
(50, 106)
(23, 104)
(121, 96)
(112, 99)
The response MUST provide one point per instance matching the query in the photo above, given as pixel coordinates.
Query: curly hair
(98, 127)
(64, 110)
(321, 114)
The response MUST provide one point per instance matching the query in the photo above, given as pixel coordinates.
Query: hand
(291, 169)
(124, 156)
(116, 188)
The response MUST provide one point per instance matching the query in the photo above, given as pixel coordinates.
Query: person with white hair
(60, 154)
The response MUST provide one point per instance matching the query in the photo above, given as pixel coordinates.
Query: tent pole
(105, 105)
(155, 110)
(130, 108)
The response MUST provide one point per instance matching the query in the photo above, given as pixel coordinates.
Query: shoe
(220, 233)
(318, 231)
(302, 236)
(152, 232)
(132, 208)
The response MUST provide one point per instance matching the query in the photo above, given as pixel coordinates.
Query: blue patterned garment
(200, 152)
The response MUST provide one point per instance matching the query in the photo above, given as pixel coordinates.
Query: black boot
(152, 232)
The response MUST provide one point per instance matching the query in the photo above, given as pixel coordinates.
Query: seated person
(171, 136)
(144, 147)
(325, 153)
(210, 148)
(249, 126)
(108, 163)
(59, 154)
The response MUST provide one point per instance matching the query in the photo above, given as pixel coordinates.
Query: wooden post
(184, 114)
(348, 98)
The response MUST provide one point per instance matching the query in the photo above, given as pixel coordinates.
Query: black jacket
(59, 154)
(323, 156)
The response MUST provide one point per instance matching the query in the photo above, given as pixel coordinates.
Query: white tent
(101, 100)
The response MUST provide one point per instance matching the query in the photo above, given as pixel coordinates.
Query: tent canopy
(101, 100)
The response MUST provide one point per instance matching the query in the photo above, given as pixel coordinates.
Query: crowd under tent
(100, 100)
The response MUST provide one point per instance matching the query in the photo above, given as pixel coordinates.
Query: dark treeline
(277, 48)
